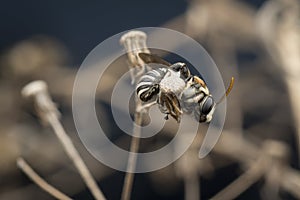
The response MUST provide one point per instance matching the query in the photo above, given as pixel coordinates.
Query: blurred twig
(243, 182)
(22, 164)
(187, 168)
(272, 155)
(49, 114)
(278, 25)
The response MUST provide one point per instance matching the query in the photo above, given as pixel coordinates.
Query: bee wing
(152, 58)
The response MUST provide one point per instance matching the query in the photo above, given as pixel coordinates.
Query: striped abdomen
(148, 85)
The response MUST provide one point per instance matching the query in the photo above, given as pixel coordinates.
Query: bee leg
(167, 117)
(169, 104)
(145, 107)
(162, 107)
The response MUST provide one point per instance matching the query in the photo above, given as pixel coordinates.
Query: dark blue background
(81, 25)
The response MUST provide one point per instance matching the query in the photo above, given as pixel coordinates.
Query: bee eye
(207, 105)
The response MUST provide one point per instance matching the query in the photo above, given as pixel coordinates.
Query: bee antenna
(227, 91)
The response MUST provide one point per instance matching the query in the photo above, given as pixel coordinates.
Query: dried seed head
(135, 35)
(135, 43)
(45, 107)
(34, 88)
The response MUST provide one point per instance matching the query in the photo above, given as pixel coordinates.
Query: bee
(175, 90)
(163, 85)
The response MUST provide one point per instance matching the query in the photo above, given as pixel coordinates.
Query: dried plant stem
(24, 166)
(243, 182)
(281, 37)
(134, 42)
(272, 157)
(187, 168)
(75, 157)
(49, 114)
(291, 182)
(192, 188)
(134, 146)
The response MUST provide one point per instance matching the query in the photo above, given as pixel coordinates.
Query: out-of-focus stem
(273, 156)
(243, 182)
(25, 167)
(192, 188)
(49, 114)
(278, 26)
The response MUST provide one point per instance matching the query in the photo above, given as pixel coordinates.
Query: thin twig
(134, 42)
(277, 158)
(278, 26)
(192, 188)
(246, 152)
(75, 157)
(24, 166)
(273, 156)
(187, 168)
(134, 147)
(291, 182)
(49, 114)
(243, 182)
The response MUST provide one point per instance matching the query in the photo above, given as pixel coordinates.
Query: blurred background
(256, 41)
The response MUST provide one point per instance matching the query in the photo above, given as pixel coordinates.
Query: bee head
(206, 109)
(207, 106)
(182, 68)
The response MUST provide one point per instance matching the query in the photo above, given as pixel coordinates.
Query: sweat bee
(175, 90)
